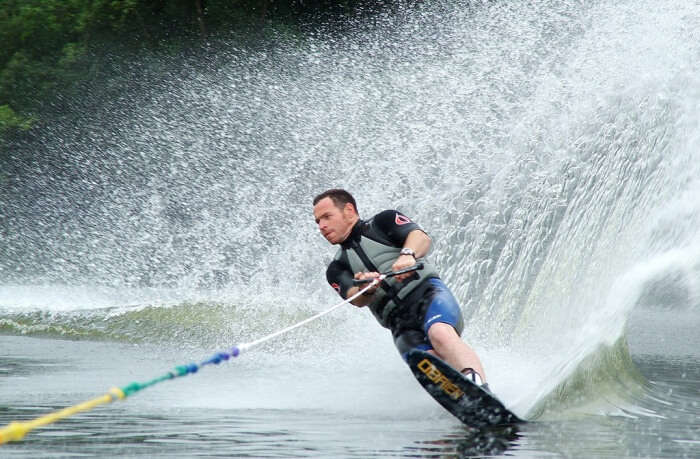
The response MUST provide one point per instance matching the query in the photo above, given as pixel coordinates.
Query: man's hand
(403, 262)
(370, 275)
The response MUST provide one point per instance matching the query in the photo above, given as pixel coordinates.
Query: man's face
(335, 224)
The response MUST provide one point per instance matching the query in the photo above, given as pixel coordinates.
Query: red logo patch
(401, 219)
(336, 287)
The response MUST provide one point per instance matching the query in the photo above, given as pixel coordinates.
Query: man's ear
(349, 208)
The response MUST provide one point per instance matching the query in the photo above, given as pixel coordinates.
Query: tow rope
(16, 430)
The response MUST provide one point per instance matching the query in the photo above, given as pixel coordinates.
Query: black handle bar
(415, 267)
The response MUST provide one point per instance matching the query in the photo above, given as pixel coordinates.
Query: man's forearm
(362, 300)
(419, 242)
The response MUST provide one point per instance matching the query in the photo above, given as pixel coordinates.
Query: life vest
(371, 255)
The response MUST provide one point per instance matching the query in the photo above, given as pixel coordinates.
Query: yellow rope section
(17, 430)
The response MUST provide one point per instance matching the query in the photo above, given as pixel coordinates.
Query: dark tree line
(44, 43)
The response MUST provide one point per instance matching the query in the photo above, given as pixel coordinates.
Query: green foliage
(46, 43)
(10, 123)
(10, 120)
(40, 39)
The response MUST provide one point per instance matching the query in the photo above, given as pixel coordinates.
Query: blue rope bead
(216, 358)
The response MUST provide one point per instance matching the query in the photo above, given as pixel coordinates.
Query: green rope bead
(131, 388)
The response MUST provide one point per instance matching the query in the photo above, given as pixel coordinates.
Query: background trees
(45, 44)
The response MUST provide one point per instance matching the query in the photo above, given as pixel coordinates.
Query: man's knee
(442, 335)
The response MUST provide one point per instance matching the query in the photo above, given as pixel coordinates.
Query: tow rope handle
(383, 276)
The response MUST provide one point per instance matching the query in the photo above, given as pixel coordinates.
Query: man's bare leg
(450, 348)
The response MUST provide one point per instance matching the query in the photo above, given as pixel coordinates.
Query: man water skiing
(417, 307)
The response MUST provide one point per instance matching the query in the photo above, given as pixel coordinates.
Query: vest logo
(441, 380)
(401, 219)
(336, 287)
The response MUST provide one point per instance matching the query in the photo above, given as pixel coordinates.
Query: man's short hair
(339, 197)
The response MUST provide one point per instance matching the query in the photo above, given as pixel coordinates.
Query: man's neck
(350, 230)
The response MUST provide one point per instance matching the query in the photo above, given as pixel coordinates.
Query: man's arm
(340, 277)
(365, 298)
(417, 241)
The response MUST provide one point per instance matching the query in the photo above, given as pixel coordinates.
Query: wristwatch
(407, 251)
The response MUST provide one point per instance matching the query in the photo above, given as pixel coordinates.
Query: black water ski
(465, 400)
